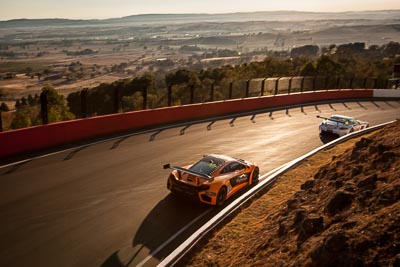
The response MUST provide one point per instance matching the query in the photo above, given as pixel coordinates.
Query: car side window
(227, 168)
(234, 166)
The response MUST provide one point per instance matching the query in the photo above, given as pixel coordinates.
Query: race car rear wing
(329, 119)
(202, 175)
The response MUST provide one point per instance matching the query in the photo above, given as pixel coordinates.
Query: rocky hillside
(345, 213)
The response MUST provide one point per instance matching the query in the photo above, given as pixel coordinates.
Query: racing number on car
(243, 178)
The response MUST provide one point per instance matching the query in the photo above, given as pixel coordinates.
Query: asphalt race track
(106, 203)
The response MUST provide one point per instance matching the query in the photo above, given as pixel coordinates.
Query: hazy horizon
(104, 9)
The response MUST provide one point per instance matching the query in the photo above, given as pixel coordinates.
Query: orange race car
(213, 179)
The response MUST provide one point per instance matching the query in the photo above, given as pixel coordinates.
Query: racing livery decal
(212, 180)
(243, 178)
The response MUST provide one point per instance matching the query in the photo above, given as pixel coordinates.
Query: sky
(102, 9)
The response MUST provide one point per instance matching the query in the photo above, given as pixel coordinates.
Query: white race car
(341, 125)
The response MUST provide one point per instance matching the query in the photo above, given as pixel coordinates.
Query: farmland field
(73, 55)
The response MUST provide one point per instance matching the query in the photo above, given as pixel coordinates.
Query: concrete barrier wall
(387, 93)
(45, 136)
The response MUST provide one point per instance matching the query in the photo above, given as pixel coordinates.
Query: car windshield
(207, 165)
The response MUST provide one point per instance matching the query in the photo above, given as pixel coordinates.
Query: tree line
(345, 61)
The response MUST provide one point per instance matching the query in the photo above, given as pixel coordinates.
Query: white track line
(176, 255)
(243, 114)
(172, 238)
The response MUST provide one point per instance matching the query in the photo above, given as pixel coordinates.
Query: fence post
(192, 94)
(1, 122)
(375, 83)
(247, 88)
(144, 95)
(326, 82)
(386, 84)
(263, 87)
(84, 103)
(169, 95)
(212, 93)
(230, 90)
(276, 86)
(338, 83)
(302, 85)
(116, 100)
(290, 85)
(314, 83)
(43, 107)
(365, 83)
(351, 82)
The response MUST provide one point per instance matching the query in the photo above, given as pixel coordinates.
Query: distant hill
(25, 23)
(191, 18)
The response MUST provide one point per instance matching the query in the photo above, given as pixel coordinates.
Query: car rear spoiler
(329, 119)
(202, 175)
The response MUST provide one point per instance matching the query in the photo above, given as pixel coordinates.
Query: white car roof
(342, 116)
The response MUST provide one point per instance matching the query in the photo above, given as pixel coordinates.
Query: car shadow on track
(169, 217)
(326, 138)
(174, 219)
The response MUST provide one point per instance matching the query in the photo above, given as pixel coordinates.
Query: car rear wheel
(221, 196)
(256, 175)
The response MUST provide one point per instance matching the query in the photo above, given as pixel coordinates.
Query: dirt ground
(341, 207)
(54, 59)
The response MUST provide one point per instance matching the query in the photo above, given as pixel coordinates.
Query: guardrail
(54, 134)
(265, 181)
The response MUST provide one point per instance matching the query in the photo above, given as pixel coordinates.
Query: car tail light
(211, 194)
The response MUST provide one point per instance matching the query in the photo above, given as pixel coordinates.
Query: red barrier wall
(45, 136)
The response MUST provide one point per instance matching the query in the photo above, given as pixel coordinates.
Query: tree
(307, 50)
(24, 102)
(308, 70)
(391, 49)
(46, 72)
(357, 47)
(4, 107)
(182, 76)
(29, 115)
(57, 106)
(327, 67)
(18, 103)
(133, 102)
(182, 80)
(28, 71)
(21, 120)
(30, 100)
